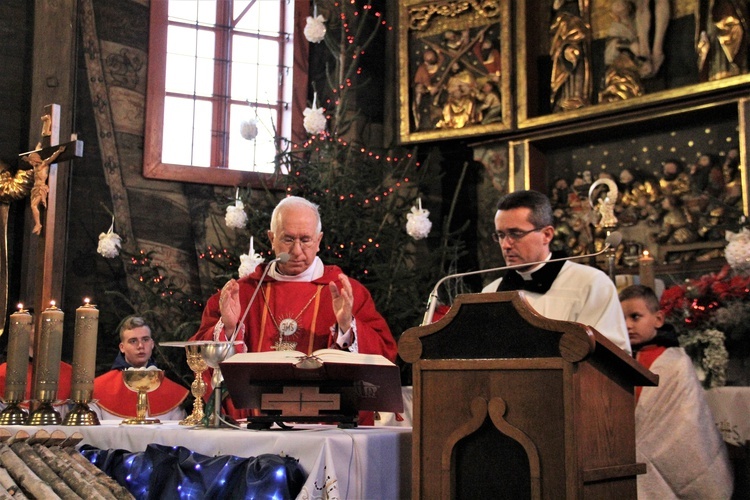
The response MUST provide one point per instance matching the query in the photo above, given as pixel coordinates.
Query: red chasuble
(117, 399)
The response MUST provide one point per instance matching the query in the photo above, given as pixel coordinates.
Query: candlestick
(84, 352)
(18, 354)
(646, 270)
(84, 365)
(19, 337)
(47, 367)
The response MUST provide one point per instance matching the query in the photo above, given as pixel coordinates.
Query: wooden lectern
(509, 404)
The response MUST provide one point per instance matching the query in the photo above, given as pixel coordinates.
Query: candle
(84, 352)
(252, 248)
(19, 336)
(47, 354)
(646, 270)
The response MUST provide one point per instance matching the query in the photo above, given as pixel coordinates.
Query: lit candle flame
(20, 306)
(645, 253)
(52, 303)
(86, 301)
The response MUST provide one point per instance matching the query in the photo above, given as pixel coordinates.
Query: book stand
(310, 390)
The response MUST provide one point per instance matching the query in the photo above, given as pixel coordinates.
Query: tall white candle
(646, 270)
(47, 354)
(84, 352)
(19, 337)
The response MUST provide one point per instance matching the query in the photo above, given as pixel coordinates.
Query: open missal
(328, 381)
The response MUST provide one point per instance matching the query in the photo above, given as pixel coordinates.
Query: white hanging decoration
(249, 129)
(737, 251)
(315, 120)
(418, 224)
(249, 261)
(315, 29)
(109, 243)
(236, 216)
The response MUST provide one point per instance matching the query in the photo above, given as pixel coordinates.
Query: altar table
(360, 463)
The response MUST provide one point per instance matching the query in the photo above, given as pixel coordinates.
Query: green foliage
(364, 198)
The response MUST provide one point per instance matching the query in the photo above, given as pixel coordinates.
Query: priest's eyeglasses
(513, 234)
(304, 242)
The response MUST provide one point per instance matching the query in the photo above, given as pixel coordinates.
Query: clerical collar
(527, 274)
(310, 274)
(539, 280)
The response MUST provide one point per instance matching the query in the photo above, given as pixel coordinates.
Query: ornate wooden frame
(454, 31)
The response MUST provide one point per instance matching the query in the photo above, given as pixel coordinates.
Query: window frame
(153, 167)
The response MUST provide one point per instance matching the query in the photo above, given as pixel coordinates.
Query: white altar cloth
(360, 463)
(731, 407)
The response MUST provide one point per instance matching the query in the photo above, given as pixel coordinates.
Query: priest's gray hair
(294, 201)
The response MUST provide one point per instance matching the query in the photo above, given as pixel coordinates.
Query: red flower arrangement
(696, 300)
(712, 316)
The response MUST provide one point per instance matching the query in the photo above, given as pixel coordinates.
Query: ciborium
(142, 381)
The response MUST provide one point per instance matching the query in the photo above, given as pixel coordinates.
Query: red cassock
(112, 395)
(63, 381)
(310, 305)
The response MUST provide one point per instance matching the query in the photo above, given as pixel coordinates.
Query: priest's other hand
(229, 305)
(343, 300)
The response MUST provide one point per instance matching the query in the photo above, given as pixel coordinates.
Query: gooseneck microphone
(283, 258)
(612, 241)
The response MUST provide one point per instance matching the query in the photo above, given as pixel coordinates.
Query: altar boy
(675, 433)
(113, 400)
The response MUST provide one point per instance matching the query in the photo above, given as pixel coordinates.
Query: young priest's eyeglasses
(513, 234)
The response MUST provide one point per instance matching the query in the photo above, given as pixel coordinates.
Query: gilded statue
(651, 55)
(676, 226)
(14, 187)
(40, 189)
(622, 78)
(460, 108)
(675, 180)
(570, 84)
(723, 45)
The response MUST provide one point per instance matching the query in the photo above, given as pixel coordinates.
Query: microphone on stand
(612, 241)
(283, 258)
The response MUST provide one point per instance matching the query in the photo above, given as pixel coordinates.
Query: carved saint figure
(622, 79)
(651, 55)
(722, 47)
(570, 51)
(426, 86)
(460, 109)
(40, 190)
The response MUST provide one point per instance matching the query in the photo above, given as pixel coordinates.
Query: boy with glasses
(563, 290)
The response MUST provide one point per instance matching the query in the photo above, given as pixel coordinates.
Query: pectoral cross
(49, 208)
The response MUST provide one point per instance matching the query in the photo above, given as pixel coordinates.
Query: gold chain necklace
(288, 326)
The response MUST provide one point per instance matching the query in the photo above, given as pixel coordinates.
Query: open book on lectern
(365, 381)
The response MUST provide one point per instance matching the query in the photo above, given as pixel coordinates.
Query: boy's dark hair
(641, 292)
(538, 203)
